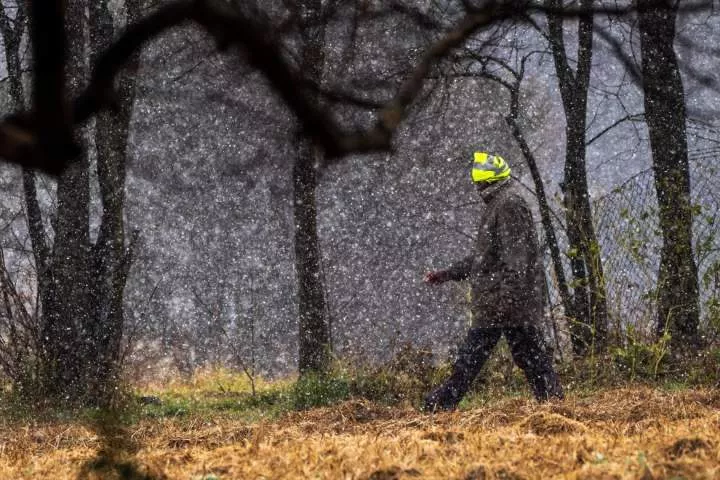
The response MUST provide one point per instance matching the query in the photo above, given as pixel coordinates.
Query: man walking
(505, 272)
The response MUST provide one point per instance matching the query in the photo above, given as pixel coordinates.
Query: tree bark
(82, 283)
(110, 256)
(65, 306)
(677, 288)
(544, 207)
(589, 324)
(314, 335)
(12, 33)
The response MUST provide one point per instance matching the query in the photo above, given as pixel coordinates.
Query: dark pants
(526, 345)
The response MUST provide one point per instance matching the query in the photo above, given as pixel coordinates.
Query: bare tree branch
(627, 118)
(21, 133)
(630, 65)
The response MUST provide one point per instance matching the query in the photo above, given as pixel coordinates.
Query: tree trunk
(12, 33)
(589, 324)
(110, 256)
(544, 207)
(314, 347)
(314, 335)
(81, 284)
(65, 305)
(677, 289)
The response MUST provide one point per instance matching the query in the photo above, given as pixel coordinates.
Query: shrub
(640, 359)
(407, 377)
(317, 390)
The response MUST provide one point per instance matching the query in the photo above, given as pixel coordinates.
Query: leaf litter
(627, 433)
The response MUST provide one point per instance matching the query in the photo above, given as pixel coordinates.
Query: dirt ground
(637, 433)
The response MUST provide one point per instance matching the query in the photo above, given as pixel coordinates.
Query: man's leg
(528, 351)
(472, 355)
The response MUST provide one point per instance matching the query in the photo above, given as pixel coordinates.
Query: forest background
(218, 217)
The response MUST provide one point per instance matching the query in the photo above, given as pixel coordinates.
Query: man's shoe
(443, 398)
(547, 387)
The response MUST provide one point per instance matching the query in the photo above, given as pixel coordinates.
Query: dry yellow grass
(637, 433)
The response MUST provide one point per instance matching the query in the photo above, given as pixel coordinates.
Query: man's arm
(459, 270)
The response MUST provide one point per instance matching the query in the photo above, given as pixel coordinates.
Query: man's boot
(546, 386)
(445, 397)
(472, 355)
(526, 345)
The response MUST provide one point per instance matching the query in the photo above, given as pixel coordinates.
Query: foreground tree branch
(23, 136)
(47, 28)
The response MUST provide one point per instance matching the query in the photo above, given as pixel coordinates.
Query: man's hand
(436, 277)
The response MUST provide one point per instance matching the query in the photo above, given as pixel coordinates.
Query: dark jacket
(505, 270)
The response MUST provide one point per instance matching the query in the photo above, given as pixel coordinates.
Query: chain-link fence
(626, 222)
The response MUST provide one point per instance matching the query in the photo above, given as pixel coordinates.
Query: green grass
(405, 380)
(218, 392)
(314, 390)
(268, 404)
